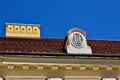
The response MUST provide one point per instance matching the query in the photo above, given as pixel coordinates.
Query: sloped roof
(53, 45)
(104, 46)
(31, 45)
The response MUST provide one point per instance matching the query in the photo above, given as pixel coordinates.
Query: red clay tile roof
(31, 45)
(52, 45)
(104, 46)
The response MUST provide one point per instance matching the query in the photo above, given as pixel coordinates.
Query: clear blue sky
(99, 18)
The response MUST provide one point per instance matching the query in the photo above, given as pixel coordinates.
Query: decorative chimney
(22, 30)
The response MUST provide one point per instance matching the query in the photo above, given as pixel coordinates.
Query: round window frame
(73, 43)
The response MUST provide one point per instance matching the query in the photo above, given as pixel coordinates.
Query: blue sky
(99, 18)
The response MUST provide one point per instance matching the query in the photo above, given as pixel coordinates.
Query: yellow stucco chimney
(22, 30)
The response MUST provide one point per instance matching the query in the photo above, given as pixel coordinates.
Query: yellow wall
(65, 68)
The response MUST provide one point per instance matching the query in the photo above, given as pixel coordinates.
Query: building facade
(72, 58)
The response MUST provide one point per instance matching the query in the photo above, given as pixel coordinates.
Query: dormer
(76, 42)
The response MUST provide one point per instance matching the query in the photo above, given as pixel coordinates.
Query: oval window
(77, 40)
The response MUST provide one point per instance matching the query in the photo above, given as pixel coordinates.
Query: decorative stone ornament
(76, 42)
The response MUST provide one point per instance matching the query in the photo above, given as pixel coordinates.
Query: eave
(59, 55)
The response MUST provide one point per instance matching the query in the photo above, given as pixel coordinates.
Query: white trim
(109, 79)
(55, 78)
